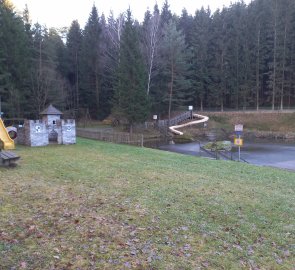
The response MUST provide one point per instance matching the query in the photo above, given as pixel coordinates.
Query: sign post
(238, 141)
(190, 108)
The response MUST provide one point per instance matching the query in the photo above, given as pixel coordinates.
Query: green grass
(96, 205)
(274, 122)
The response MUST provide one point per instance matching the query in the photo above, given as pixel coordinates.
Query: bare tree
(114, 31)
(151, 42)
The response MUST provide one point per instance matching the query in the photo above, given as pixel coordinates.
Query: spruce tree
(14, 61)
(174, 68)
(73, 55)
(201, 56)
(90, 65)
(131, 99)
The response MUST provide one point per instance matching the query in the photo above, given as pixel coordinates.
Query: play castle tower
(50, 129)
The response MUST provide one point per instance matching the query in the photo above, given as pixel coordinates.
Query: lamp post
(190, 108)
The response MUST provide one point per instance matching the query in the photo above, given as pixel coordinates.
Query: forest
(240, 57)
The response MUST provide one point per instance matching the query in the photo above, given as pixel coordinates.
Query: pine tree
(219, 69)
(166, 14)
(186, 25)
(200, 46)
(284, 47)
(73, 56)
(90, 65)
(174, 67)
(131, 98)
(14, 63)
(109, 67)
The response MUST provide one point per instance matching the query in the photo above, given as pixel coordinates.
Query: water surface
(280, 155)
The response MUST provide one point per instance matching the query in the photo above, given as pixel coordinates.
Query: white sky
(59, 13)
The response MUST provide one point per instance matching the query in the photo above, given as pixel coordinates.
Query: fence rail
(251, 110)
(110, 136)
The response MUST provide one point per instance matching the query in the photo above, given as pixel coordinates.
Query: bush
(182, 139)
(218, 146)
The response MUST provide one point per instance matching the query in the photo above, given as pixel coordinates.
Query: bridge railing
(173, 121)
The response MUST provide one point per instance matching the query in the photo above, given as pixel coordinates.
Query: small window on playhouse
(53, 122)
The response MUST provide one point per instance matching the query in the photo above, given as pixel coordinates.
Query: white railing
(202, 119)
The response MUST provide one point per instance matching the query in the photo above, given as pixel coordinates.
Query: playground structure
(6, 143)
(202, 119)
(48, 130)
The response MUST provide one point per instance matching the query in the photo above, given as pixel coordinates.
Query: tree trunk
(201, 105)
(237, 75)
(274, 58)
(153, 43)
(171, 91)
(257, 69)
(290, 81)
(131, 128)
(222, 81)
(97, 92)
(77, 84)
(284, 65)
(39, 78)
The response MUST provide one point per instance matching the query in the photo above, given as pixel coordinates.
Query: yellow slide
(8, 143)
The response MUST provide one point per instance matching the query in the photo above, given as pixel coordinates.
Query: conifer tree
(174, 67)
(14, 61)
(200, 41)
(73, 57)
(90, 65)
(131, 100)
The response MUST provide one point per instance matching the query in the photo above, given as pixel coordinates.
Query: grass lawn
(274, 122)
(96, 205)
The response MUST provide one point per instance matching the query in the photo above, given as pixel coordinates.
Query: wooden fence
(110, 136)
(134, 139)
(122, 138)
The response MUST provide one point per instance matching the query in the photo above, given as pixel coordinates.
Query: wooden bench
(8, 158)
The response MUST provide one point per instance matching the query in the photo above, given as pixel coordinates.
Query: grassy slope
(102, 206)
(275, 122)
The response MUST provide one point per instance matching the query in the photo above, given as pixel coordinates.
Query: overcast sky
(59, 13)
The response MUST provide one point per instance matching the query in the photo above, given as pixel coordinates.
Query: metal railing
(227, 155)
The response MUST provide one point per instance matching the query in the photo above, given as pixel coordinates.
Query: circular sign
(38, 129)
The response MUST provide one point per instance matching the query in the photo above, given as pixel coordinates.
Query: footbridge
(201, 119)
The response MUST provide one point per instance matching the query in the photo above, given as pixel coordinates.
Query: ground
(97, 205)
(255, 121)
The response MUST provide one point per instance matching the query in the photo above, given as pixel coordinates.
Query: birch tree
(151, 40)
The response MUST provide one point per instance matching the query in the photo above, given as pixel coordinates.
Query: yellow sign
(238, 141)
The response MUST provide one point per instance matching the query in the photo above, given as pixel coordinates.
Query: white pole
(239, 148)
(141, 140)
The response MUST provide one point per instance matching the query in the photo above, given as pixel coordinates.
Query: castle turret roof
(50, 110)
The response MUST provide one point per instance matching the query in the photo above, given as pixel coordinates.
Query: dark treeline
(239, 57)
